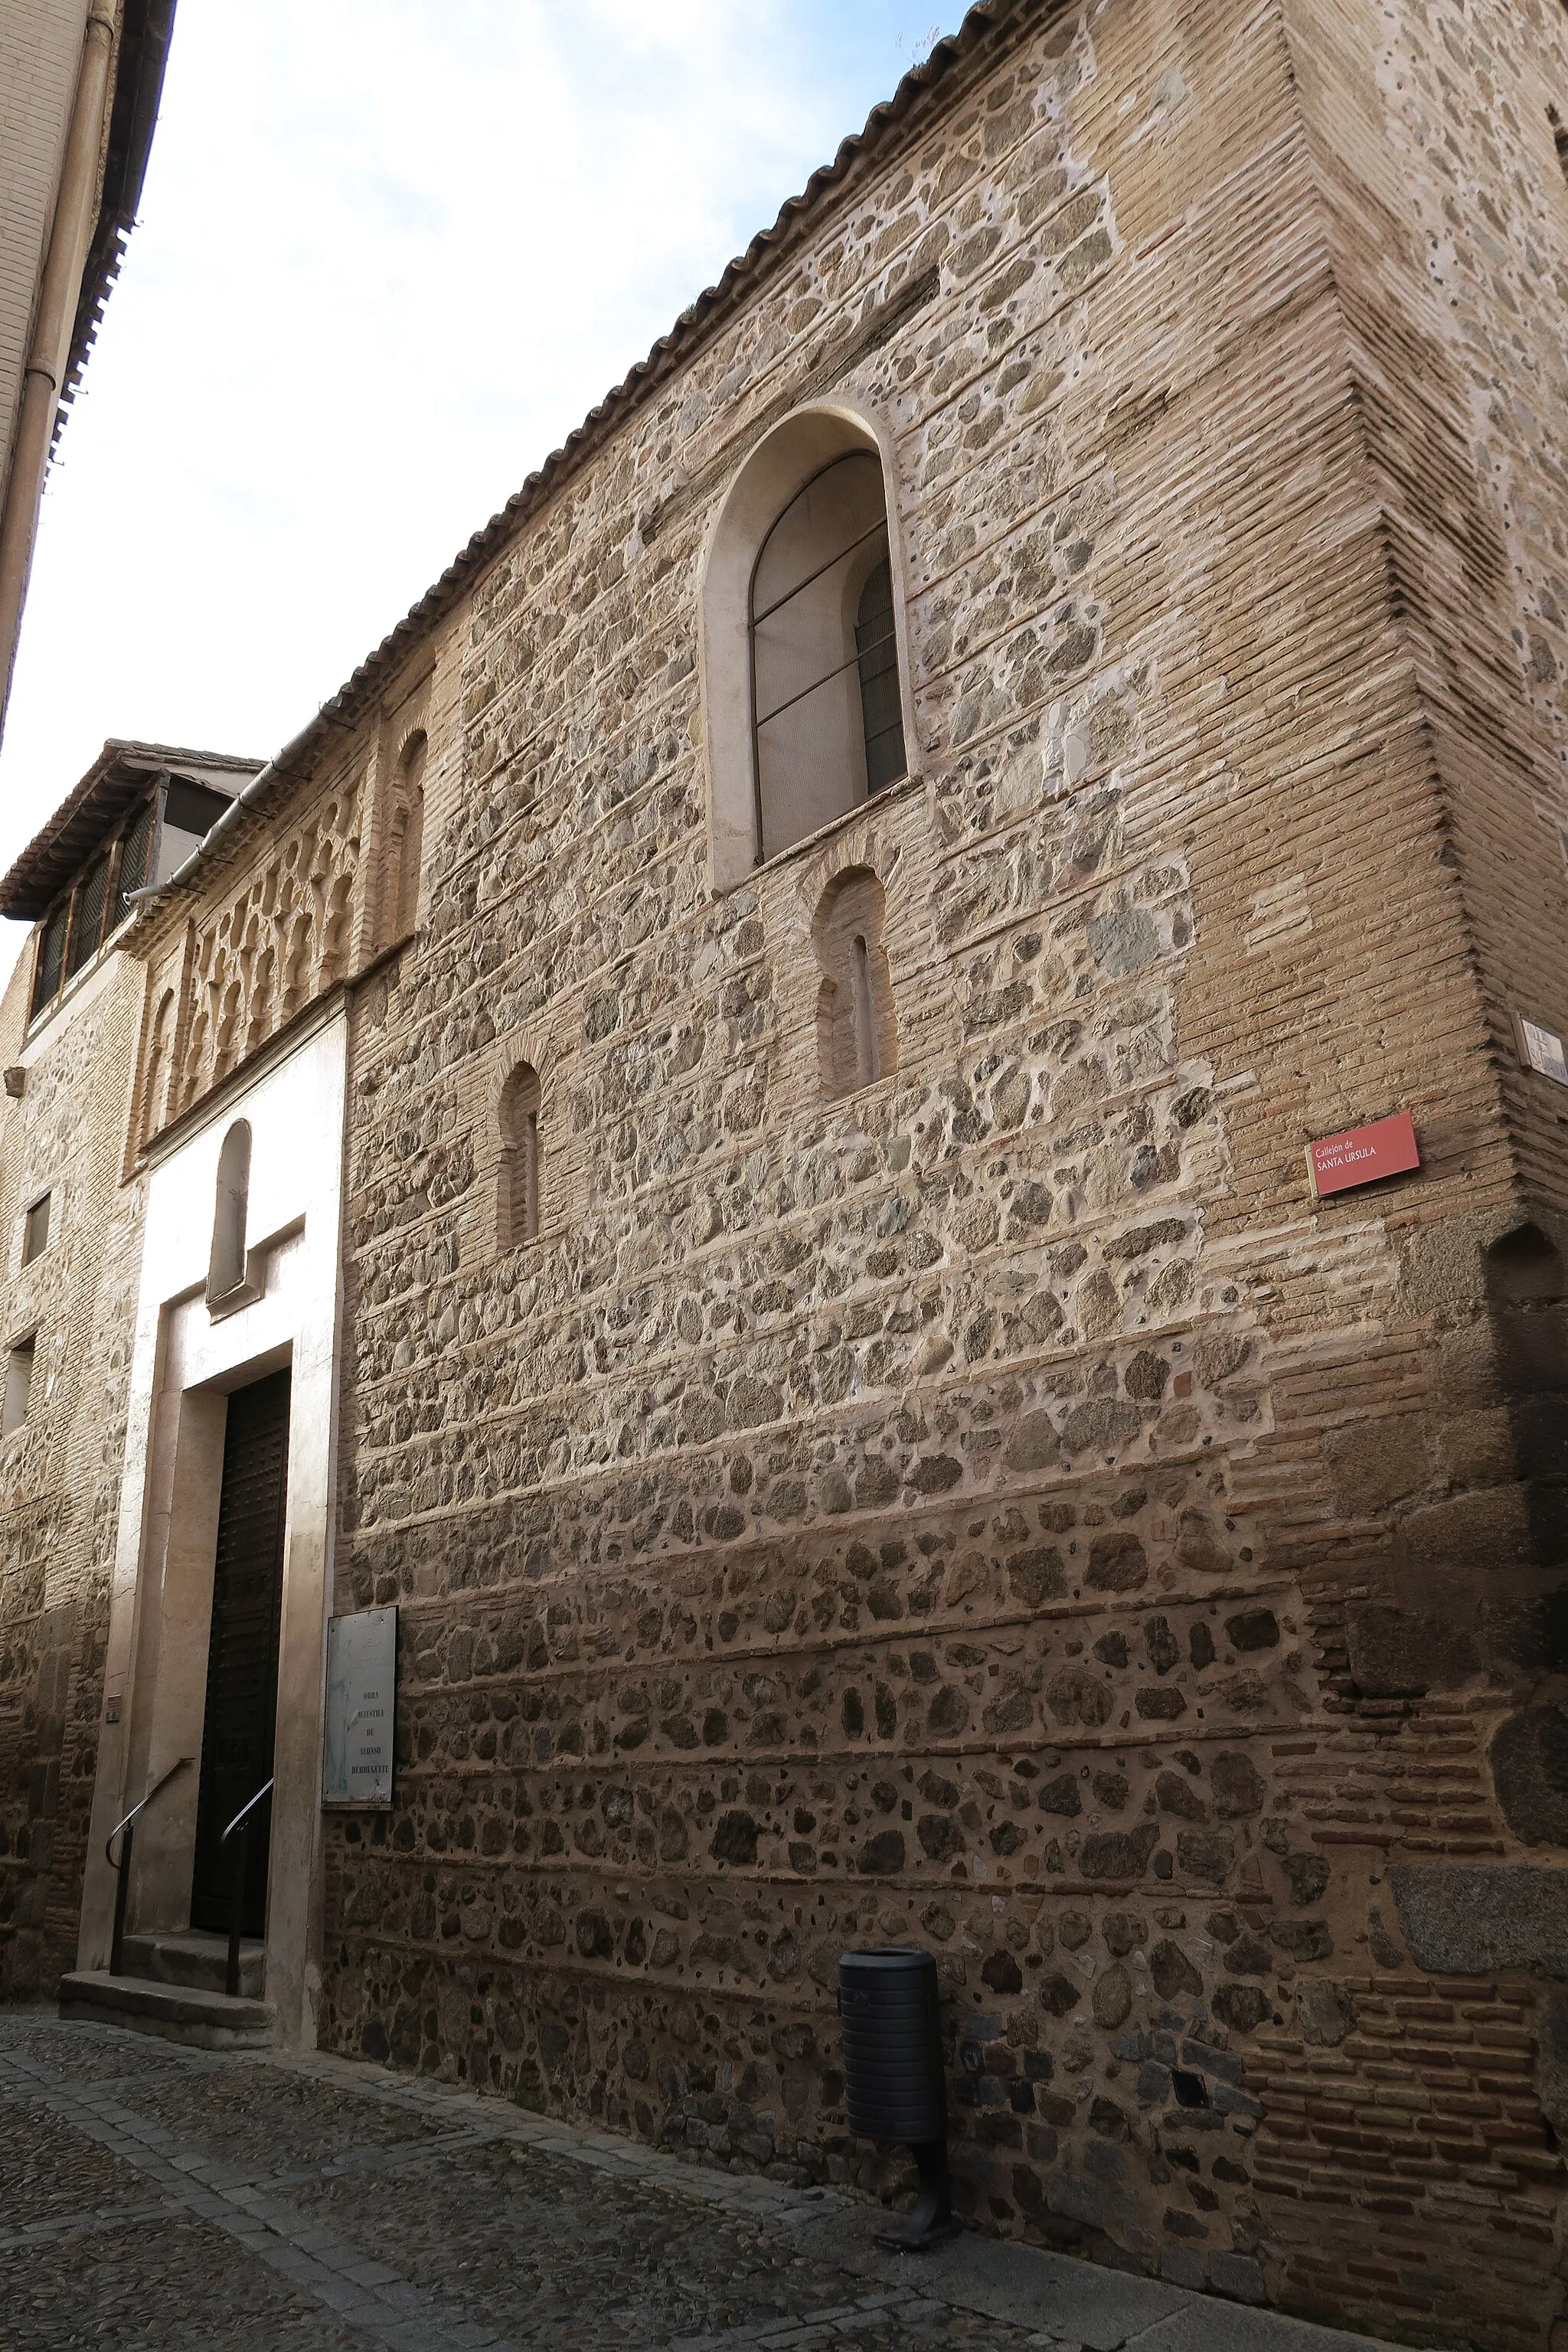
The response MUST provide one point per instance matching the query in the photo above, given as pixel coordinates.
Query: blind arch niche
(805, 679)
(231, 1213)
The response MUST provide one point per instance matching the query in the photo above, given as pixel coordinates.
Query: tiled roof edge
(26, 889)
(738, 280)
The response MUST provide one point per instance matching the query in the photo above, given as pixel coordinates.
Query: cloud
(389, 255)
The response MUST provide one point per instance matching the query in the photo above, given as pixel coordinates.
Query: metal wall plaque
(1542, 1049)
(362, 1683)
(1362, 1155)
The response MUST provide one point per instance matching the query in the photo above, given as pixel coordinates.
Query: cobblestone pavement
(155, 2196)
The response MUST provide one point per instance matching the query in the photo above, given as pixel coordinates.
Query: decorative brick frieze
(970, 1491)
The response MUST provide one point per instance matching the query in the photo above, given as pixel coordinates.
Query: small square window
(36, 1231)
(18, 1388)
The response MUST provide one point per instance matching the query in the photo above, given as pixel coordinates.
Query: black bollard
(897, 2091)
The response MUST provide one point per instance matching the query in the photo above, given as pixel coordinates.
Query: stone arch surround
(781, 464)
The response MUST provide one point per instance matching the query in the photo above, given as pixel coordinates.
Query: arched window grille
(826, 710)
(226, 1267)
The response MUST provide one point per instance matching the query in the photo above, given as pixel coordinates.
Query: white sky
(389, 255)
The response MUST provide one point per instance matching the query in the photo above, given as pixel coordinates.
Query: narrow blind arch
(226, 1267)
(405, 840)
(519, 1170)
(857, 1022)
(158, 1064)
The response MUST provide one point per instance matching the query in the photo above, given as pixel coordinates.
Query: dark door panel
(242, 1654)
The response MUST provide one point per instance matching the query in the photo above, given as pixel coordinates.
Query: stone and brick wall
(59, 1474)
(997, 1508)
(1446, 197)
(287, 912)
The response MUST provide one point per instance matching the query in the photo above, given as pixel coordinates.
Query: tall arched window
(827, 724)
(519, 1204)
(877, 661)
(226, 1267)
(405, 840)
(857, 1029)
(805, 707)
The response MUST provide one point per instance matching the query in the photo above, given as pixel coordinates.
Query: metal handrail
(241, 1822)
(126, 1830)
(244, 1809)
(178, 1766)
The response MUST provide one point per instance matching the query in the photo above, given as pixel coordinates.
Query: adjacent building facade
(79, 86)
(72, 1207)
(754, 1069)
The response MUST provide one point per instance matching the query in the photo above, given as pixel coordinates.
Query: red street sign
(1386, 1148)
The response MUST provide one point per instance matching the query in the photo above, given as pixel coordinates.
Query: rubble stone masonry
(999, 1507)
(59, 1473)
(995, 1505)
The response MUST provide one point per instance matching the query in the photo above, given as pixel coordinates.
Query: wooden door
(242, 1654)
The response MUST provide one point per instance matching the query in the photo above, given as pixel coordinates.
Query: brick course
(939, 1515)
(59, 1474)
(998, 1507)
(823, 1466)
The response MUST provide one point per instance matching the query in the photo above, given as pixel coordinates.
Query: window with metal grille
(827, 713)
(87, 925)
(51, 956)
(134, 852)
(877, 654)
(36, 1231)
(93, 911)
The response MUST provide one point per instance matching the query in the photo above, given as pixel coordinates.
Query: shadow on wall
(1527, 1305)
(1474, 1585)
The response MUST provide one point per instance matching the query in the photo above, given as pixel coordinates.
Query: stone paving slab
(1079, 2303)
(202, 2201)
(42, 2177)
(295, 2120)
(1073, 2302)
(174, 2286)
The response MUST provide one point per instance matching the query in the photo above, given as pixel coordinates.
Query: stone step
(188, 1956)
(188, 2013)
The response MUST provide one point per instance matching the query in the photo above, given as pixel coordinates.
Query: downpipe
(48, 355)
